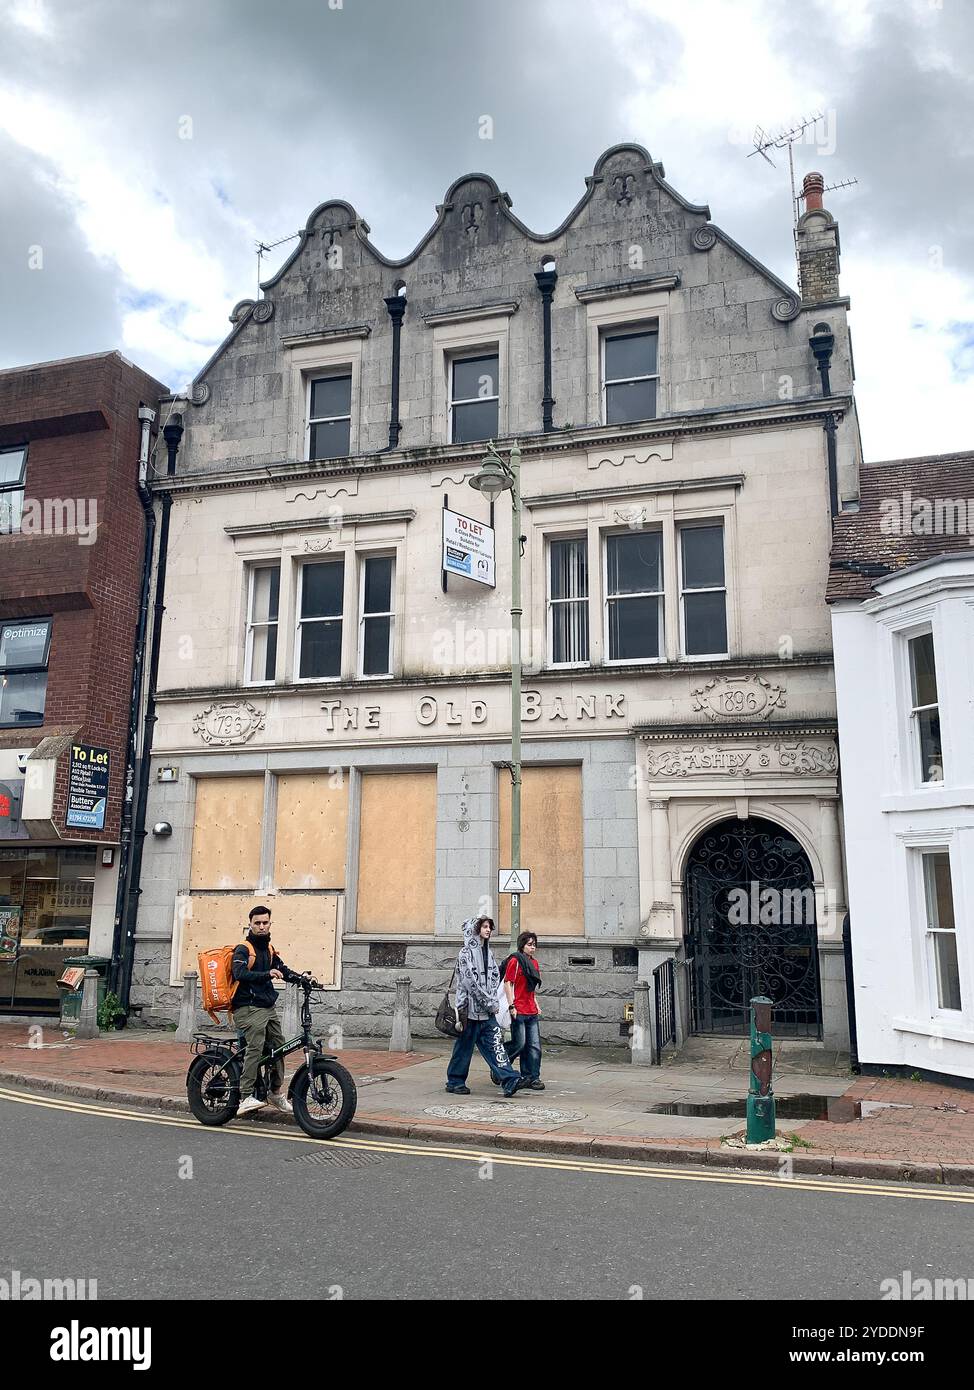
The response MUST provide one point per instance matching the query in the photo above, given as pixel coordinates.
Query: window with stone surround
(634, 595)
(318, 638)
(263, 599)
(474, 397)
(330, 415)
(630, 375)
(568, 599)
(376, 614)
(703, 590)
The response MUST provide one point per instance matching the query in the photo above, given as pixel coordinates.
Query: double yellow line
(831, 1186)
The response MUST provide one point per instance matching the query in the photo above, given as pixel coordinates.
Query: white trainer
(280, 1102)
(251, 1103)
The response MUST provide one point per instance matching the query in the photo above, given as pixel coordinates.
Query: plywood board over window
(312, 814)
(397, 852)
(551, 847)
(227, 832)
(304, 928)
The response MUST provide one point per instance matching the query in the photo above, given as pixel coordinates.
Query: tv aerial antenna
(262, 247)
(787, 139)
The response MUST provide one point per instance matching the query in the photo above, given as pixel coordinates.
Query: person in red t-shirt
(521, 979)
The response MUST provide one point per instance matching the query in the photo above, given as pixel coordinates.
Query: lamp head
(492, 479)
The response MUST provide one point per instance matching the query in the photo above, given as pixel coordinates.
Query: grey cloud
(66, 305)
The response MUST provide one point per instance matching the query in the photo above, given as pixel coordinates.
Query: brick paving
(603, 1108)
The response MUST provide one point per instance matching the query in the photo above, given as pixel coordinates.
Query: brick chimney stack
(817, 239)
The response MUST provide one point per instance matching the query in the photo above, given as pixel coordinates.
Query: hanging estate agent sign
(87, 787)
(468, 547)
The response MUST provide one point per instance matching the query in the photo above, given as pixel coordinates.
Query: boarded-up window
(304, 928)
(551, 847)
(397, 852)
(227, 832)
(311, 821)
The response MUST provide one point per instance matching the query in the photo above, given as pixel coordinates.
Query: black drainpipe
(131, 743)
(172, 433)
(397, 307)
(546, 284)
(822, 342)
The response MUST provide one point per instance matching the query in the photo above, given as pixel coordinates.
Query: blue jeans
(484, 1034)
(526, 1044)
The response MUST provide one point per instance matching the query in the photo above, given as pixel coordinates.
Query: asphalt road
(159, 1207)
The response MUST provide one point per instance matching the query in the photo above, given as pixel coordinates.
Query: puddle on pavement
(838, 1110)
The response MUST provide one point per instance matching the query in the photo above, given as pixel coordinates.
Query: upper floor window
(474, 398)
(630, 375)
(925, 711)
(262, 619)
(568, 601)
(318, 644)
(634, 595)
(330, 416)
(941, 929)
(24, 648)
(376, 615)
(703, 591)
(12, 467)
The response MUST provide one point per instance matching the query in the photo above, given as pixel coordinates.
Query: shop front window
(45, 919)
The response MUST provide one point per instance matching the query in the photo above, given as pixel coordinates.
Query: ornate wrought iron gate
(751, 929)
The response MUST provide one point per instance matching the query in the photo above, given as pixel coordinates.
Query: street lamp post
(494, 477)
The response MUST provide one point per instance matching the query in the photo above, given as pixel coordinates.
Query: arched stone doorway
(750, 929)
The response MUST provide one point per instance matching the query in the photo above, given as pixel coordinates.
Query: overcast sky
(145, 147)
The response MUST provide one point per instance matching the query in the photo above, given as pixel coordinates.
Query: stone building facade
(334, 713)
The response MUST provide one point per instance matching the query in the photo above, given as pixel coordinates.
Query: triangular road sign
(514, 881)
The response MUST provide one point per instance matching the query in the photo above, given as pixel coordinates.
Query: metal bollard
(290, 1024)
(402, 1039)
(88, 1020)
(187, 1008)
(643, 1037)
(760, 1097)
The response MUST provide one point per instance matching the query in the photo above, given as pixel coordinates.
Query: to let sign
(87, 787)
(468, 547)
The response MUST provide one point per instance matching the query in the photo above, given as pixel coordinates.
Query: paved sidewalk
(595, 1102)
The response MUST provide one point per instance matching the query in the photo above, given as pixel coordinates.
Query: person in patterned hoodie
(478, 979)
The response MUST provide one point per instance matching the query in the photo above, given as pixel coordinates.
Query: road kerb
(597, 1146)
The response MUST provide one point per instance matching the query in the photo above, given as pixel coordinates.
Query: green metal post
(760, 1098)
(516, 688)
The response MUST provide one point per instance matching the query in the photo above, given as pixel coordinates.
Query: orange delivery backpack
(216, 977)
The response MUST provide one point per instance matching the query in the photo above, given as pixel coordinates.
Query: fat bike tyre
(324, 1100)
(213, 1098)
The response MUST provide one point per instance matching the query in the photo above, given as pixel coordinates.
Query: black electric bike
(322, 1092)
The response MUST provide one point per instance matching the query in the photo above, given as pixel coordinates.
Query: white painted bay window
(941, 931)
(925, 709)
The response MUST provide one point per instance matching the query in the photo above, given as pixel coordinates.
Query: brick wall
(79, 420)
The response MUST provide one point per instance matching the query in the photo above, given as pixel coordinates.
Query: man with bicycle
(255, 1010)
